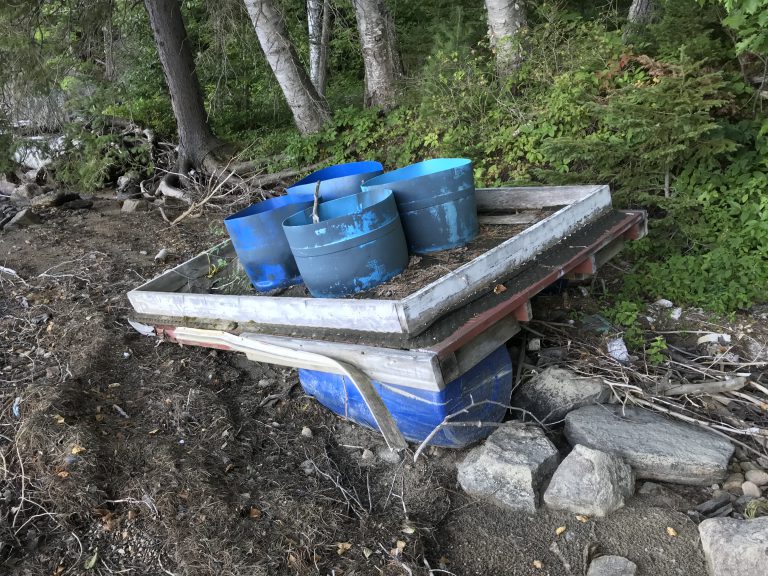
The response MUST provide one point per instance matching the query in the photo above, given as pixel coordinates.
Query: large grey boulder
(735, 547)
(22, 219)
(590, 482)
(554, 392)
(510, 466)
(656, 447)
(612, 566)
(23, 195)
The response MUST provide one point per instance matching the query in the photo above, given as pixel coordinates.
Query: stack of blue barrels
(361, 234)
(366, 225)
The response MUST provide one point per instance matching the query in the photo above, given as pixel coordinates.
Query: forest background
(664, 100)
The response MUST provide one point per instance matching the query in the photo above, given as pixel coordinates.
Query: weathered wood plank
(501, 219)
(530, 197)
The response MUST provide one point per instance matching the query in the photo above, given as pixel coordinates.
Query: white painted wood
(363, 315)
(424, 306)
(530, 197)
(417, 369)
(262, 352)
(411, 315)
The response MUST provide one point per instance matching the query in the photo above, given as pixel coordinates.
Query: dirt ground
(122, 455)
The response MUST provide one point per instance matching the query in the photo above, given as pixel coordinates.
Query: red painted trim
(630, 225)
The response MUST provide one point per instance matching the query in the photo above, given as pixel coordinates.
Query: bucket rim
(423, 169)
(339, 171)
(264, 207)
(368, 199)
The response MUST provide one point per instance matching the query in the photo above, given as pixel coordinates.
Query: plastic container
(436, 200)
(337, 180)
(418, 412)
(358, 244)
(258, 237)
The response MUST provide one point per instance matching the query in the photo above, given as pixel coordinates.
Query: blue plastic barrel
(337, 180)
(357, 244)
(436, 200)
(418, 412)
(258, 237)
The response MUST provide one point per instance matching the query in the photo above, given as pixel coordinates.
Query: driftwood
(708, 387)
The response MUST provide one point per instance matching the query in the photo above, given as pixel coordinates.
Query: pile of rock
(22, 202)
(612, 446)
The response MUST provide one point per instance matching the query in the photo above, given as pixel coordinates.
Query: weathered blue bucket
(258, 237)
(358, 244)
(436, 200)
(337, 180)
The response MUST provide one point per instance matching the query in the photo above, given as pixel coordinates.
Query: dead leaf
(400, 545)
(560, 529)
(153, 432)
(77, 449)
(133, 514)
(49, 329)
(408, 529)
(99, 417)
(114, 385)
(671, 531)
(229, 468)
(367, 552)
(499, 288)
(91, 562)
(342, 547)
(254, 513)
(59, 419)
(62, 474)
(538, 564)
(581, 518)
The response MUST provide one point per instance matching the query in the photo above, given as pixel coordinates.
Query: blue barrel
(337, 180)
(417, 412)
(436, 200)
(258, 237)
(357, 244)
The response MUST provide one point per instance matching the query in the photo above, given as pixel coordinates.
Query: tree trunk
(640, 14)
(378, 41)
(310, 111)
(505, 19)
(319, 26)
(196, 141)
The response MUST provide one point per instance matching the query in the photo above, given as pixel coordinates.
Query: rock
(590, 482)
(51, 199)
(717, 506)
(735, 547)
(733, 483)
(306, 432)
(757, 477)
(554, 392)
(23, 195)
(510, 466)
(747, 466)
(367, 455)
(750, 489)
(131, 206)
(612, 566)
(308, 467)
(6, 187)
(740, 504)
(79, 204)
(663, 303)
(389, 456)
(657, 448)
(23, 219)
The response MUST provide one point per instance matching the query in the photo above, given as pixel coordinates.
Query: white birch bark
(381, 58)
(319, 27)
(505, 20)
(310, 111)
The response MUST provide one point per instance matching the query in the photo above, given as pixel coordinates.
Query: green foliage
(93, 161)
(624, 313)
(654, 352)
(749, 19)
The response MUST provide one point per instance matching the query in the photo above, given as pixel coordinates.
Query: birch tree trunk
(310, 110)
(319, 27)
(505, 20)
(196, 140)
(640, 15)
(378, 41)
